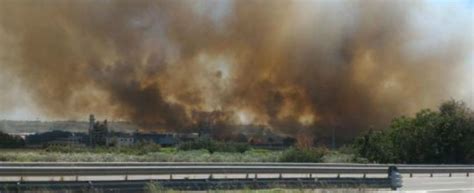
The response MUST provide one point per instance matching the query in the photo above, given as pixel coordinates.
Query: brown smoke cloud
(288, 65)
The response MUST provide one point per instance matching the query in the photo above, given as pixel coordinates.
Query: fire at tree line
(445, 135)
(101, 134)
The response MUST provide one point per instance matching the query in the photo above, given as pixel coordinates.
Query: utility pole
(333, 138)
(91, 128)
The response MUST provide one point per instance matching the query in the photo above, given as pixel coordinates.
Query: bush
(214, 146)
(198, 144)
(8, 141)
(442, 137)
(140, 148)
(32, 155)
(232, 147)
(144, 148)
(168, 150)
(303, 155)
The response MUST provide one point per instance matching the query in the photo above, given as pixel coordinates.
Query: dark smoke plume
(292, 66)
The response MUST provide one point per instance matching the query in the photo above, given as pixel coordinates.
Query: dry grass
(164, 155)
(179, 156)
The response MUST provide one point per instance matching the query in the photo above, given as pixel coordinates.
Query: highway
(415, 177)
(438, 183)
(409, 184)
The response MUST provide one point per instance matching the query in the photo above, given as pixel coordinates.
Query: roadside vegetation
(156, 188)
(303, 155)
(445, 136)
(164, 155)
(170, 154)
(141, 148)
(8, 141)
(214, 146)
(201, 150)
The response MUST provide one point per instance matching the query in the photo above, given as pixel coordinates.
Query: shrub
(303, 155)
(154, 187)
(214, 146)
(140, 148)
(8, 141)
(89, 155)
(443, 136)
(232, 147)
(66, 149)
(144, 148)
(168, 150)
(198, 144)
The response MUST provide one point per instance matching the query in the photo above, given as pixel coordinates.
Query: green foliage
(303, 155)
(214, 146)
(8, 141)
(37, 155)
(168, 150)
(40, 138)
(198, 144)
(155, 187)
(140, 148)
(143, 148)
(261, 151)
(375, 147)
(344, 154)
(445, 136)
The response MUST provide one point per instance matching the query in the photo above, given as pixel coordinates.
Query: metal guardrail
(393, 179)
(223, 164)
(151, 170)
(137, 168)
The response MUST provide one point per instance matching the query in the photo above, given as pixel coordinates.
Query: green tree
(443, 136)
(373, 146)
(8, 141)
(310, 154)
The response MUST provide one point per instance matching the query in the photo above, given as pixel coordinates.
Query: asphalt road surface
(439, 184)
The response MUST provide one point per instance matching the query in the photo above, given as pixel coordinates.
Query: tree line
(445, 136)
(9, 141)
